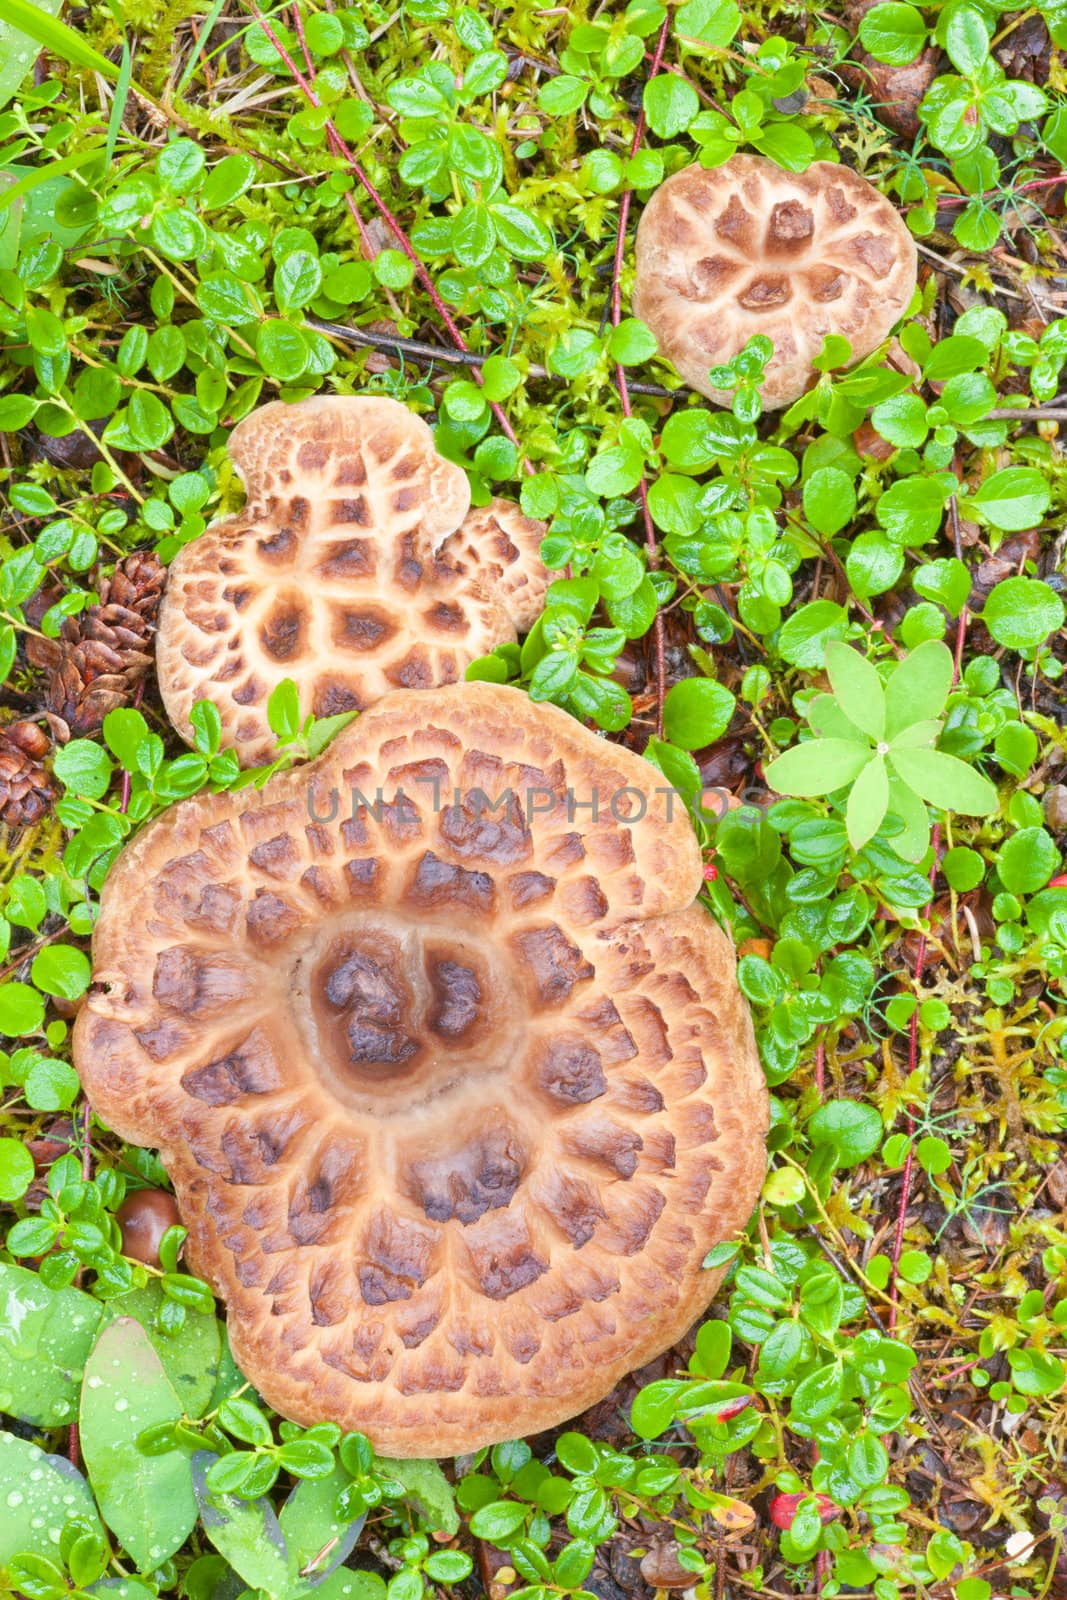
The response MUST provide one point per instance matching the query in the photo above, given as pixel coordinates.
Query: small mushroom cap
(455, 1083)
(354, 569)
(727, 252)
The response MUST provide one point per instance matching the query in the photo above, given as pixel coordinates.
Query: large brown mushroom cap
(354, 569)
(727, 252)
(455, 1101)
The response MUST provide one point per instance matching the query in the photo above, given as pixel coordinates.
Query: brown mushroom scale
(451, 1074)
(356, 568)
(728, 252)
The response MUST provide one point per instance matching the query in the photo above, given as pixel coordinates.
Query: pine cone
(102, 654)
(26, 790)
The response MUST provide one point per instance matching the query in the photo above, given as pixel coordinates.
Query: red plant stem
(988, 194)
(340, 148)
(73, 1436)
(353, 210)
(623, 388)
(961, 626)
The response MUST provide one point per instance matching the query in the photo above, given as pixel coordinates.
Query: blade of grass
(206, 26)
(52, 34)
(54, 169)
(122, 87)
(118, 103)
(17, 53)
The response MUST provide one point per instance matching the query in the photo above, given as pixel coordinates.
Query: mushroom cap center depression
(400, 1016)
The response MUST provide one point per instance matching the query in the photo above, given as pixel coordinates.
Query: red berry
(1059, 881)
(710, 874)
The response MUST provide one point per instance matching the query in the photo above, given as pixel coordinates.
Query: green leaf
(18, 51)
(40, 1494)
(632, 342)
(713, 22)
(913, 841)
(911, 509)
(147, 1501)
(696, 712)
(804, 637)
(816, 1397)
(51, 34)
(858, 688)
(852, 1129)
(243, 1419)
(310, 1525)
(45, 1339)
(1013, 499)
(15, 411)
(61, 969)
(297, 280)
(918, 687)
(246, 1532)
(945, 781)
(229, 178)
(873, 563)
(966, 39)
(670, 104)
(818, 767)
(893, 32)
(281, 349)
(84, 767)
(190, 1355)
(575, 353)
(901, 421)
(1022, 612)
(21, 1011)
(867, 803)
(522, 233)
(1027, 860)
(946, 580)
(428, 1490)
(654, 1407)
(561, 96)
(829, 500)
(224, 298)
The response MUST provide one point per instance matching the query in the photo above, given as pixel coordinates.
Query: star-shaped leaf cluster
(878, 740)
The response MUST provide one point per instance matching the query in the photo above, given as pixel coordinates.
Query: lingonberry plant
(836, 630)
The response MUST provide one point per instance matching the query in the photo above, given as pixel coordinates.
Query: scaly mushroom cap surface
(727, 252)
(455, 1097)
(354, 569)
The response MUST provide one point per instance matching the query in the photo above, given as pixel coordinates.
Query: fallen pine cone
(105, 652)
(26, 790)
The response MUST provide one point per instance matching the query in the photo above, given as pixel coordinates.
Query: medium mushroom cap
(455, 1093)
(727, 252)
(354, 569)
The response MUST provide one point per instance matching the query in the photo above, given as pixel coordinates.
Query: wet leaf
(45, 1339)
(38, 1494)
(147, 1501)
(190, 1356)
(313, 1530)
(246, 1532)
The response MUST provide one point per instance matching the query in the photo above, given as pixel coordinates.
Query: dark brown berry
(144, 1218)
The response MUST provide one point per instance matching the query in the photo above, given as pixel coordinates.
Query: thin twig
(1024, 414)
(422, 350)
